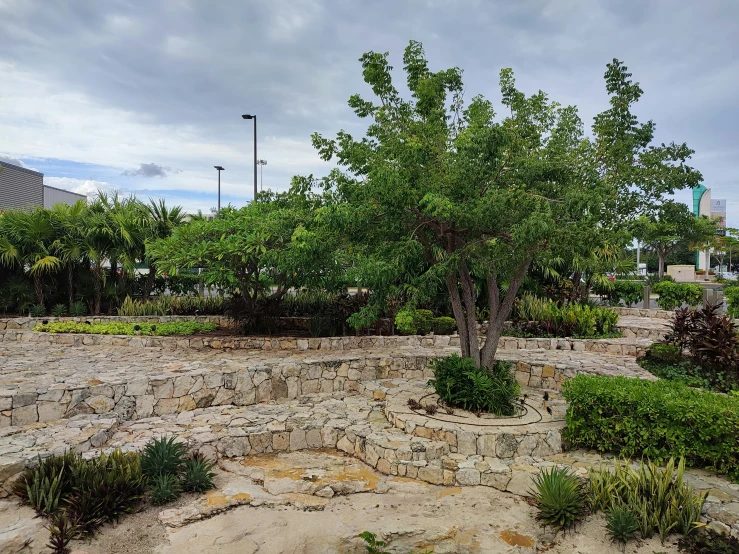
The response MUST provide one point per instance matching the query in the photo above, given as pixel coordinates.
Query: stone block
(431, 474)
(468, 476)
(25, 415)
(506, 446)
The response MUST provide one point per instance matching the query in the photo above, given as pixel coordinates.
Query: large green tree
(673, 224)
(257, 253)
(442, 194)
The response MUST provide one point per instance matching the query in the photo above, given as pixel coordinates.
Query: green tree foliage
(671, 225)
(258, 252)
(439, 194)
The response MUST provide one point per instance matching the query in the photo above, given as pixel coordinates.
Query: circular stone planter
(535, 431)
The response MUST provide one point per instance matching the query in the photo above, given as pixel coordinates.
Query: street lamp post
(262, 163)
(254, 117)
(219, 168)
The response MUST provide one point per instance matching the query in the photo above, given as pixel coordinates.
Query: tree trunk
(463, 307)
(501, 312)
(38, 285)
(70, 284)
(149, 285)
(97, 284)
(661, 256)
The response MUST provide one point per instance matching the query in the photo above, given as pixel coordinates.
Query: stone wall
(29, 323)
(612, 346)
(166, 394)
(641, 312)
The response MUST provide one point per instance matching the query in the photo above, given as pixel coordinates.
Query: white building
(24, 188)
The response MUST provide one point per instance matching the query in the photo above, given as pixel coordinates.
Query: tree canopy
(443, 194)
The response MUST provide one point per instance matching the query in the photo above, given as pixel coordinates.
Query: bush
(712, 342)
(708, 541)
(673, 295)
(655, 499)
(656, 419)
(414, 322)
(36, 310)
(652, 280)
(621, 292)
(173, 305)
(537, 317)
(444, 325)
(731, 294)
(165, 488)
(59, 310)
(90, 492)
(460, 384)
(158, 329)
(670, 353)
(559, 497)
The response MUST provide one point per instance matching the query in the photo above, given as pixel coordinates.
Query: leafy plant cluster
(617, 293)
(646, 499)
(534, 316)
(655, 419)
(373, 545)
(151, 329)
(731, 295)
(673, 295)
(87, 252)
(422, 322)
(712, 344)
(173, 305)
(79, 495)
(459, 383)
(666, 361)
(708, 541)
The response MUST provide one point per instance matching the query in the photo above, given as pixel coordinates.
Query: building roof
(19, 168)
(67, 191)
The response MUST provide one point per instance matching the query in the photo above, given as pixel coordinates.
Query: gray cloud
(150, 170)
(194, 67)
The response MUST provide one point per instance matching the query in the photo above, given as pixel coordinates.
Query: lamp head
(219, 167)
(247, 116)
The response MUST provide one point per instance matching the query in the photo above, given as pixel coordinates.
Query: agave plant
(621, 525)
(559, 497)
(164, 489)
(198, 474)
(163, 456)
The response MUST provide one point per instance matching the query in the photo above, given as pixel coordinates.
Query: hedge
(655, 419)
(673, 295)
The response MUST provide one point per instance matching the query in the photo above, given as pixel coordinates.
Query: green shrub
(444, 325)
(460, 384)
(36, 310)
(652, 280)
(91, 492)
(198, 475)
(78, 309)
(673, 295)
(658, 499)
(670, 353)
(173, 305)
(616, 293)
(708, 541)
(537, 317)
(559, 498)
(163, 456)
(158, 329)
(165, 488)
(414, 322)
(621, 524)
(731, 296)
(656, 419)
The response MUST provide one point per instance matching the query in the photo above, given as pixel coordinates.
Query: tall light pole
(262, 163)
(254, 117)
(219, 168)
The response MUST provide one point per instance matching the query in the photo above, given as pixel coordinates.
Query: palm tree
(70, 230)
(162, 220)
(28, 240)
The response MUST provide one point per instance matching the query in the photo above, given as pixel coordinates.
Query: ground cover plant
(153, 329)
(79, 495)
(708, 541)
(461, 384)
(655, 419)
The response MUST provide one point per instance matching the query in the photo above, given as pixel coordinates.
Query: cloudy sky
(145, 96)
